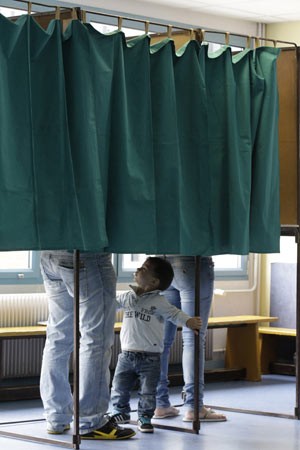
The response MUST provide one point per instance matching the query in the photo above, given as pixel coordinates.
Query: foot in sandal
(162, 413)
(205, 415)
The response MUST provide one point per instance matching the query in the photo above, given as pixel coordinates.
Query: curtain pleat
(265, 207)
(228, 150)
(123, 146)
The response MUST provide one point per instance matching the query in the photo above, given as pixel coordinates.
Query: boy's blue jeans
(133, 366)
(97, 315)
(181, 293)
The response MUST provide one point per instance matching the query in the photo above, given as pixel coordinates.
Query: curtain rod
(198, 32)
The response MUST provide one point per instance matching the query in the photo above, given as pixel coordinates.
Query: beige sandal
(206, 415)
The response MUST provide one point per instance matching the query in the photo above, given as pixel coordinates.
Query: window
(23, 267)
(231, 267)
(20, 267)
(288, 251)
(227, 267)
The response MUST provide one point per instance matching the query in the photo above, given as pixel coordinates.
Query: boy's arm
(126, 299)
(194, 323)
(171, 313)
(177, 316)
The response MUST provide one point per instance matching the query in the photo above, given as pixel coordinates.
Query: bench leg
(242, 350)
(268, 351)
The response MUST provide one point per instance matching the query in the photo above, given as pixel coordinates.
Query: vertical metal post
(199, 36)
(196, 422)
(297, 359)
(76, 436)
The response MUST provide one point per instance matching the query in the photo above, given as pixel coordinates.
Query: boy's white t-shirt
(143, 320)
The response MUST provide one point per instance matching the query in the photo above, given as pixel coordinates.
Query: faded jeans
(133, 366)
(96, 321)
(181, 293)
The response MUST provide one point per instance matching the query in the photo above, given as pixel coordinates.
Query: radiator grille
(22, 357)
(176, 349)
(22, 309)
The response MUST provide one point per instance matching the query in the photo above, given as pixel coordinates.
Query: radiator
(22, 309)
(176, 349)
(22, 357)
(209, 345)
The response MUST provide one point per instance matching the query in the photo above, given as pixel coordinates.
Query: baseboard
(282, 368)
(14, 393)
(212, 375)
(14, 390)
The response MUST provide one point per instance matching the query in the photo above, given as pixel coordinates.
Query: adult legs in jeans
(162, 395)
(97, 315)
(182, 294)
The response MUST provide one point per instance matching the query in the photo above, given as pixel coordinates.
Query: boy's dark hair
(162, 270)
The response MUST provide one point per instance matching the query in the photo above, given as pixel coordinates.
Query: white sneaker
(58, 430)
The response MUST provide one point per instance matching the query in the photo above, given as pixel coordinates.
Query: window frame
(33, 275)
(240, 273)
(23, 276)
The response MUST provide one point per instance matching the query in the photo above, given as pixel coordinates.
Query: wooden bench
(242, 343)
(22, 332)
(23, 391)
(275, 343)
(27, 332)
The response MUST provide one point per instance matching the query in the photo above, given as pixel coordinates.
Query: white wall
(240, 297)
(289, 31)
(169, 15)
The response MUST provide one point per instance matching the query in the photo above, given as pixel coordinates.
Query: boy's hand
(194, 323)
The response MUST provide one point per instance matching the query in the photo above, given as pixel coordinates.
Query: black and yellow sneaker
(109, 431)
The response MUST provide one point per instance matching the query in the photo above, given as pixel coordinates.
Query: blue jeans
(97, 315)
(133, 366)
(181, 293)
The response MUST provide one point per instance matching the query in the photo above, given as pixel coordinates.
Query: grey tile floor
(242, 430)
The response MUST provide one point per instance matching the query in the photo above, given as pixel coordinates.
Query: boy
(145, 311)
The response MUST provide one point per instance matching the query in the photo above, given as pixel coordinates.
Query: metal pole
(196, 422)
(297, 362)
(76, 436)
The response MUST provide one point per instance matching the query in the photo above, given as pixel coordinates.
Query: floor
(242, 431)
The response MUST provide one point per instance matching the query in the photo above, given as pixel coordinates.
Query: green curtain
(131, 147)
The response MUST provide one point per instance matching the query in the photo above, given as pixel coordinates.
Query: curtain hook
(227, 35)
(257, 42)
(57, 12)
(202, 35)
(275, 43)
(120, 20)
(74, 14)
(83, 16)
(29, 7)
(147, 26)
(191, 34)
(248, 42)
(170, 31)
